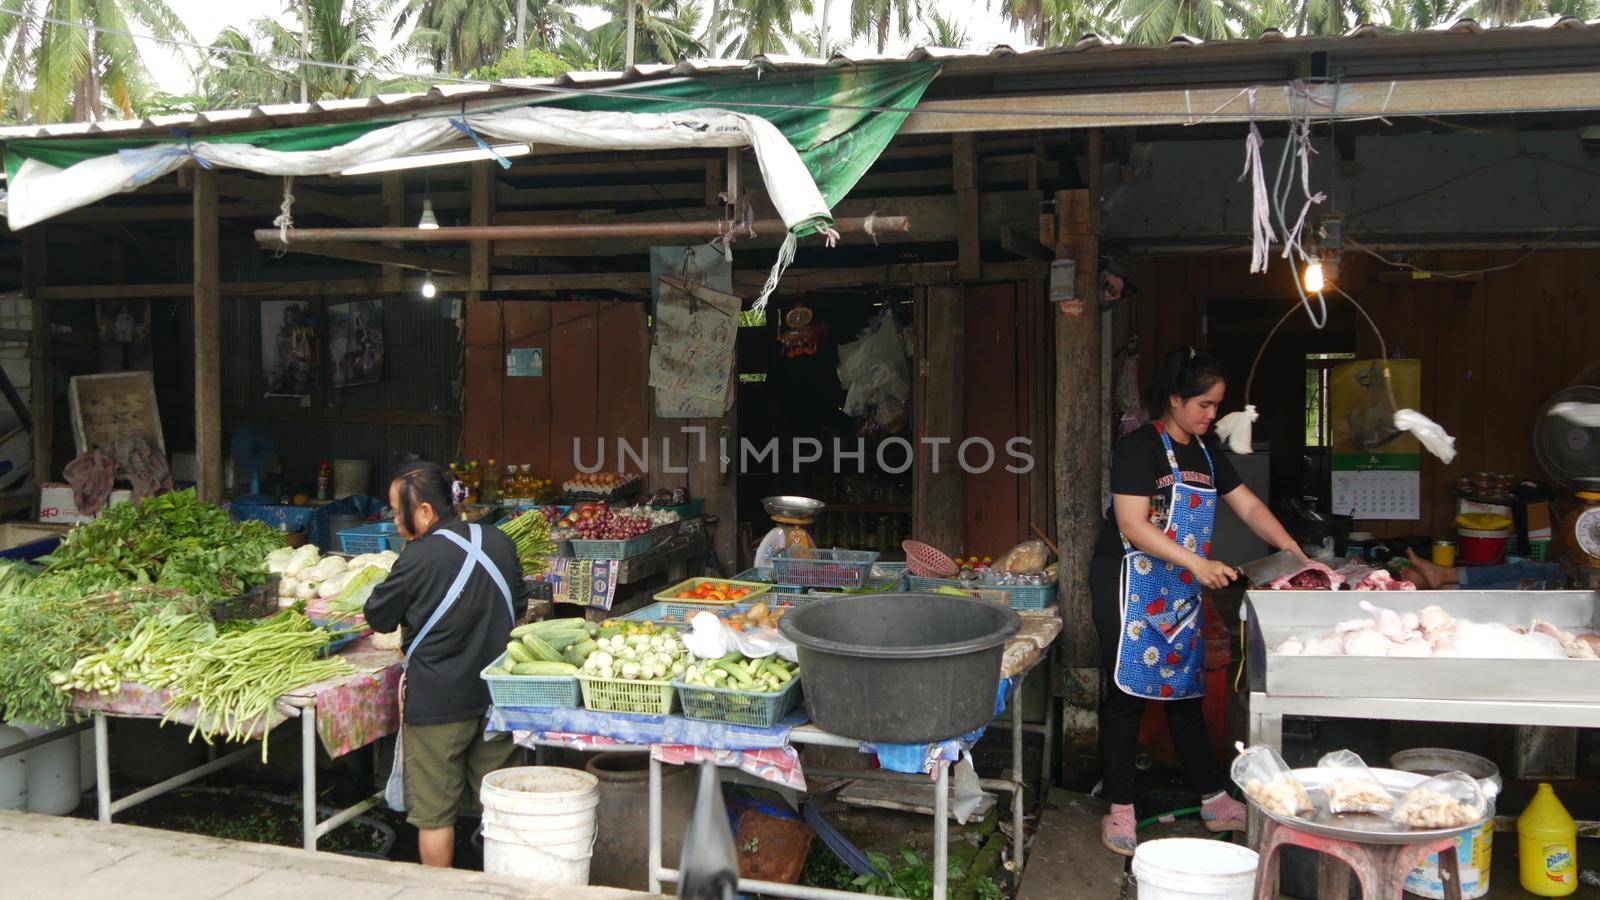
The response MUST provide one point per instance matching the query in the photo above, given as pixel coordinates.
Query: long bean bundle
(236, 679)
(530, 532)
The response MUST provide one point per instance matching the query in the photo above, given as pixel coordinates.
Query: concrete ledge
(46, 856)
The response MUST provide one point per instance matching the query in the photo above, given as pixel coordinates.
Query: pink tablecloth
(352, 710)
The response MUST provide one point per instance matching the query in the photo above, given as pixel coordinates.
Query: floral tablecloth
(352, 710)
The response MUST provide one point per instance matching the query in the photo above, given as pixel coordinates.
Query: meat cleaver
(1264, 571)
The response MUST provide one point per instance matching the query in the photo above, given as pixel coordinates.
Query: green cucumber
(516, 652)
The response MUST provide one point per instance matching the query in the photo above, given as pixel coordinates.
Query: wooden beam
(1024, 246)
(1077, 413)
(482, 214)
(306, 200)
(1445, 96)
(394, 204)
(207, 340)
(41, 376)
(337, 415)
(451, 262)
(969, 213)
(745, 280)
(938, 506)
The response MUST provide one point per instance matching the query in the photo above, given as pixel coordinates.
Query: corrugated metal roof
(1440, 39)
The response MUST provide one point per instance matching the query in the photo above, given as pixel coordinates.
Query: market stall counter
(346, 713)
(769, 753)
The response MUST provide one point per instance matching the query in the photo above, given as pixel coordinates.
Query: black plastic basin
(900, 668)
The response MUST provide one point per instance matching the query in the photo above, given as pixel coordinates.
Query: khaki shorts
(444, 767)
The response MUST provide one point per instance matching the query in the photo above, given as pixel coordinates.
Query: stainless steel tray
(1277, 615)
(1366, 828)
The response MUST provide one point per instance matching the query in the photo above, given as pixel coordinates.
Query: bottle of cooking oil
(1547, 844)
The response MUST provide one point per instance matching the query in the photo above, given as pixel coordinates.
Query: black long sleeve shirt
(443, 683)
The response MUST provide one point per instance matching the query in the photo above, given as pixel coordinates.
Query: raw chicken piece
(1434, 618)
(1381, 580)
(1291, 647)
(1314, 577)
(1574, 648)
(1496, 641)
(1389, 624)
(1593, 640)
(1350, 625)
(1410, 622)
(1413, 647)
(1367, 643)
(1327, 645)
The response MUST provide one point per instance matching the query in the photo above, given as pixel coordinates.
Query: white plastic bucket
(53, 786)
(1186, 868)
(539, 823)
(1475, 849)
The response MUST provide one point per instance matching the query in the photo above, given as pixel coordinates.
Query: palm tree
(943, 31)
(875, 18)
(467, 33)
(1159, 21)
(1058, 23)
(664, 30)
(1332, 16)
(548, 22)
(1505, 12)
(592, 50)
(57, 73)
(341, 31)
(763, 26)
(1416, 15)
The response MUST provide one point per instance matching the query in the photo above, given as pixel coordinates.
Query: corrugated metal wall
(421, 371)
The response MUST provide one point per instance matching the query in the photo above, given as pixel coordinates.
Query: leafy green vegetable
(173, 540)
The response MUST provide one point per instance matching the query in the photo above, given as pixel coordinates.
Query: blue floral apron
(1159, 655)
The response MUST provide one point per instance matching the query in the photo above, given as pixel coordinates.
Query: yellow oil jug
(1547, 845)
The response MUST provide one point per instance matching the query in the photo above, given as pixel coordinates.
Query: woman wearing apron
(458, 591)
(1150, 565)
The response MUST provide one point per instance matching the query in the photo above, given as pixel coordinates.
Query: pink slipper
(1223, 813)
(1118, 830)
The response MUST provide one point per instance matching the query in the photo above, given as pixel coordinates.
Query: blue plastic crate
(374, 538)
(1022, 596)
(677, 614)
(824, 568)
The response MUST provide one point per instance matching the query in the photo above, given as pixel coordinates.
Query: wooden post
(482, 212)
(1077, 419)
(938, 510)
(394, 205)
(41, 378)
(964, 166)
(207, 341)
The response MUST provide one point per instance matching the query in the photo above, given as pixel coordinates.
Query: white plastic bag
(873, 367)
(710, 638)
(1264, 777)
(1451, 800)
(1351, 786)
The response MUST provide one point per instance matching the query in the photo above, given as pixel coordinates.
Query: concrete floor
(44, 856)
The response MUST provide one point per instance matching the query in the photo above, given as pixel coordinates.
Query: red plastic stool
(1381, 868)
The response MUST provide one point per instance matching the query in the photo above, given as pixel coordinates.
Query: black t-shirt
(443, 683)
(1139, 467)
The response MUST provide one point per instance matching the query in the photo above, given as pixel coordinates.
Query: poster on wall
(696, 321)
(289, 363)
(355, 342)
(1376, 466)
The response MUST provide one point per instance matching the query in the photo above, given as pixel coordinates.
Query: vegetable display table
(346, 713)
(769, 753)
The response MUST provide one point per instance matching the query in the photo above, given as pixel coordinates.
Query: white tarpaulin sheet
(39, 191)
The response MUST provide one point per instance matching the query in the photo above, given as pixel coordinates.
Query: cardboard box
(57, 506)
(21, 534)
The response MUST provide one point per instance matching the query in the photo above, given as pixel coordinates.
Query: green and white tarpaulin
(814, 134)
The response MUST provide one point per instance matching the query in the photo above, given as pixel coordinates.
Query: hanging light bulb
(428, 290)
(1312, 277)
(428, 222)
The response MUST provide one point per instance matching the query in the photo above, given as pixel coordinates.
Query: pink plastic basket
(925, 561)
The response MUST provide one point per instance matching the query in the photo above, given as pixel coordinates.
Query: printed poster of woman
(355, 342)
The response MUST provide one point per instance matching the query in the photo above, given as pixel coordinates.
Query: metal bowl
(1366, 829)
(792, 507)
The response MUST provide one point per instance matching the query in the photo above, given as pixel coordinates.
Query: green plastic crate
(551, 691)
(738, 707)
(651, 698)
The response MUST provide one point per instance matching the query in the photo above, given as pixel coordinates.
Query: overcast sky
(206, 18)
